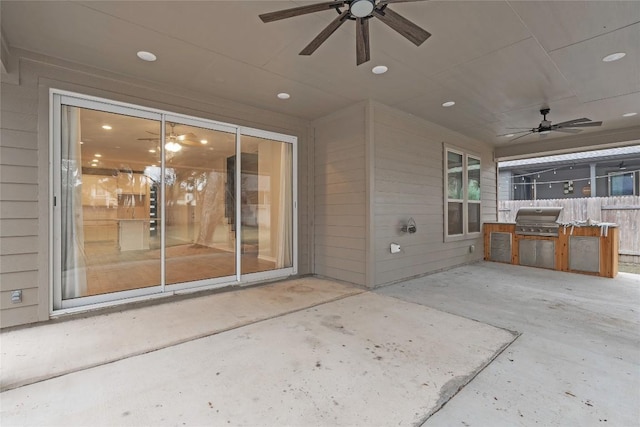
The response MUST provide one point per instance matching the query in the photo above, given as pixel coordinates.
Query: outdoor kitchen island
(575, 247)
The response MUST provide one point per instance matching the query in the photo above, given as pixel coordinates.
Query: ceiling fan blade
(363, 53)
(402, 25)
(519, 128)
(148, 139)
(188, 135)
(521, 136)
(583, 125)
(567, 130)
(515, 133)
(324, 34)
(570, 122)
(297, 11)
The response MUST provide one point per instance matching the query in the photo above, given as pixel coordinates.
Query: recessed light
(449, 104)
(203, 141)
(94, 165)
(614, 57)
(106, 127)
(509, 135)
(629, 114)
(379, 69)
(97, 155)
(152, 151)
(146, 56)
(284, 95)
(81, 142)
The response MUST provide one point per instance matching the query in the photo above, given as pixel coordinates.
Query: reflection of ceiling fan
(545, 126)
(356, 10)
(174, 141)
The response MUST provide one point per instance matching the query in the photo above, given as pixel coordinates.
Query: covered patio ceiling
(500, 61)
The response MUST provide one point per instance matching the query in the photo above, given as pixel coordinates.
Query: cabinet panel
(99, 190)
(537, 253)
(132, 183)
(584, 253)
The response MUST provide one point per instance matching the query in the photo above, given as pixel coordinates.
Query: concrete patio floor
(577, 361)
(312, 353)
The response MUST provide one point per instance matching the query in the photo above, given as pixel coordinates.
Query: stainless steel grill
(538, 221)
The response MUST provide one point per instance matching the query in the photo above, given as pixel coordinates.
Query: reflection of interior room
(120, 213)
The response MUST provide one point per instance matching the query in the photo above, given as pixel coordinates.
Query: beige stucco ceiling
(500, 61)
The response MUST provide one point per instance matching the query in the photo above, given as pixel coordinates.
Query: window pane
(454, 175)
(107, 245)
(266, 205)
(473, 174)
(622, 185)
(474, 217)
(200, 242)
(454, 218)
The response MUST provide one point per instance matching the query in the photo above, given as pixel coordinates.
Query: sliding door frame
(58, 306)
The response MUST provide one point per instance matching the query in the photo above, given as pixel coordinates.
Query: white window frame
(57, 306)
(466, 234)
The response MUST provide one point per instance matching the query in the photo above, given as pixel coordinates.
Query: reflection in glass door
(105, 203)
(266, 204)
(150, 202)
(200, 239)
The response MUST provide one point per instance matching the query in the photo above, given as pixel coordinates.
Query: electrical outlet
(16, 296)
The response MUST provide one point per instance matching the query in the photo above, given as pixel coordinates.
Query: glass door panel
(266, 204)
(106, 202)
(200, 232)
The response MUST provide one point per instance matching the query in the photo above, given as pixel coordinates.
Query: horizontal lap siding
(24, 180)
(19, 204)
(408, 178)
(340, 196)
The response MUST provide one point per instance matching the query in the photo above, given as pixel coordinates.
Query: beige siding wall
(18, 203)
(24, 173)
(340, 196)
(408, 182)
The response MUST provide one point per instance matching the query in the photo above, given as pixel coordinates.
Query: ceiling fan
(355, 10)
(545, 126)
(173, 140)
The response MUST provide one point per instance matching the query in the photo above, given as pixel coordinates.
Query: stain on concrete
(298, 288)
(333, 322)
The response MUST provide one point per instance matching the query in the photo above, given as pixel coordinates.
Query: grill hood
(546, 215)
(538, 221)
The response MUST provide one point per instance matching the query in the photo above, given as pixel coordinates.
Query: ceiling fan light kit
(173, 146)
(173, 140)
(360, 11)
(362, 8)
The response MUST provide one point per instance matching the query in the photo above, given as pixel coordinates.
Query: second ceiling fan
(359, 11)
(546, 126)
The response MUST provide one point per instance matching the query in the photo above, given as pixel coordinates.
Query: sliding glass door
(266, 204)
(149, 202)
(200, 238)
(104, 200)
